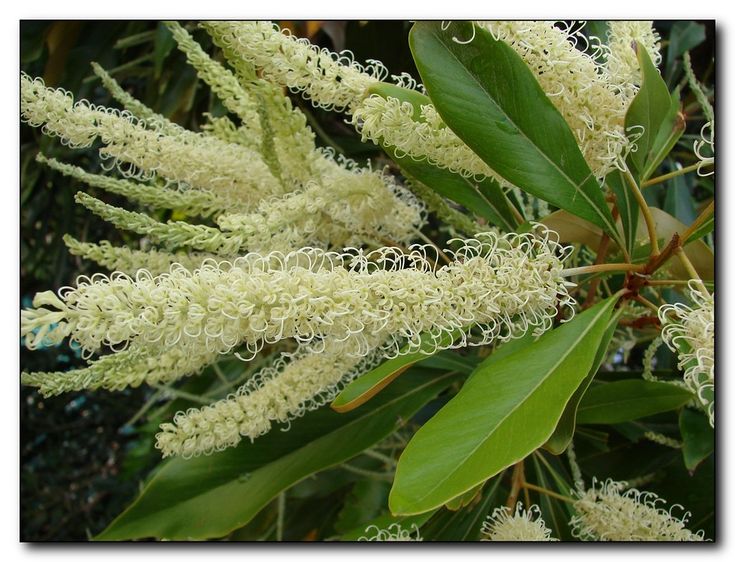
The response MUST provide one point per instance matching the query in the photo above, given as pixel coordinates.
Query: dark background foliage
(84, 455)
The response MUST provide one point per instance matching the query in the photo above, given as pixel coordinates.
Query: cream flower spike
(336, 81)
(495, 288)
(519, 525)
(329, 80)
(127, 260)
(129, 368)
(690, 332)
(296, 383)
(393, 533)
(196, 160)
(607, 513)
(190, 201)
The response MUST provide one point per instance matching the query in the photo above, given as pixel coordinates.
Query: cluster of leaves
(433, 447)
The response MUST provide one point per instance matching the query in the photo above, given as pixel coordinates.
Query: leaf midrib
(523, 134)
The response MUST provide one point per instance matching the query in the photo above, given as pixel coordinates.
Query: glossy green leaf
(211, 496)
(628, 400)
(368, 385)
(564, 431)
(484, 198)
(698, 437)
(500, 415)
(489, 97)
(627, 207)
(654, 114)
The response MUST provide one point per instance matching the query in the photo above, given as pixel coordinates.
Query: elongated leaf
(564, 431)
(698, 438)
(485, 198)
(489, 97)
(369, 384)
(628, 400)
(627, 207)
(501, 414)
(669, 133)
(210, 496)
(654, 114)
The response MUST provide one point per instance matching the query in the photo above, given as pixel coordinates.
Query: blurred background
(84, 455)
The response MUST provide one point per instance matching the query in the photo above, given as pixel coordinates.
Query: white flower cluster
(505, 524)
(393, 533)
(270, 156)
(230, 171)
(496, 287)
(621, 63)
(690, 332)
(330, 80)
(607, 513)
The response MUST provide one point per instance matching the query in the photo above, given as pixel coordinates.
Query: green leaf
(484, 198)
(698, 438)
(654, 113)
(163, 44)
(678, 202)
(368, 385)
(488, 96)
(669, 133)
(211, 496)
(365, 501)
(628, 400)
(564, 431)
(500, 415)
(627, 207)
(684, 36)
